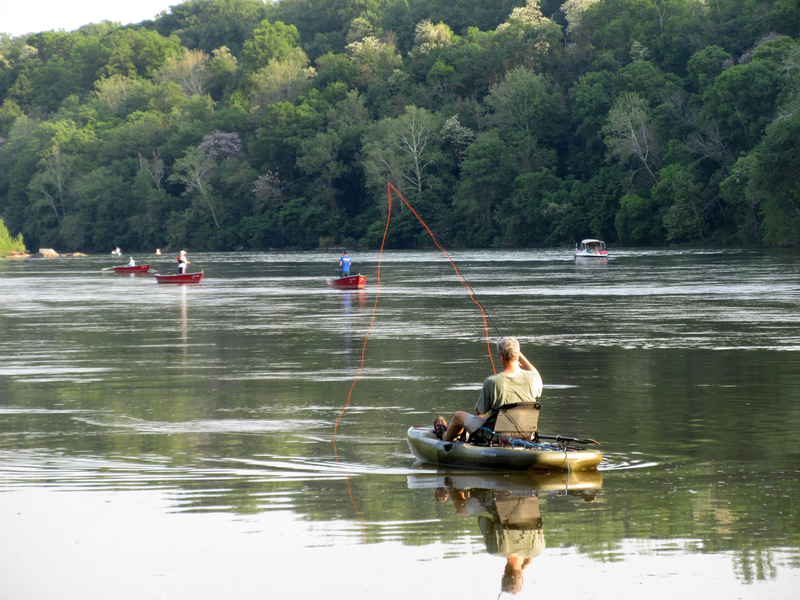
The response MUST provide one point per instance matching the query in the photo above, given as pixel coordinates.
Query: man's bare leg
(455, 427)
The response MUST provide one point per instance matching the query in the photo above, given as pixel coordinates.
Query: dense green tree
(282, 131)
(639, 220)
(743, 98)
(525, 101)
(270, 42)
(487, 175)
(320, 159)
(706, 65)
(135, 52)
(9, 244)
(209, 24)
(686, 218)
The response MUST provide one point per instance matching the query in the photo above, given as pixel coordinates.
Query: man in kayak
(132, 263)
(518, 382)
(344, 265)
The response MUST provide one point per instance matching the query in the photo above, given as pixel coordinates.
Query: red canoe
(134, 269)
(355, 282)
(185, 278)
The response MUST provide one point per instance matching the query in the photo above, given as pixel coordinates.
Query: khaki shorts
(473, 422)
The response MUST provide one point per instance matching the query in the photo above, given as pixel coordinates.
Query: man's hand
(525, 363)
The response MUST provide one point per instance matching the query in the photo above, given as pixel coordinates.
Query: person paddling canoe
(518, 382)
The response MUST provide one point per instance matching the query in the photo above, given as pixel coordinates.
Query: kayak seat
(519, 421)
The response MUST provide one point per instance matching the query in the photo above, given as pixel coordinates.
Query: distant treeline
(241, 123)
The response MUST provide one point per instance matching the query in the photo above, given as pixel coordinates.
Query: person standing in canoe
(518, 382)
(183, 262)
(344, 265)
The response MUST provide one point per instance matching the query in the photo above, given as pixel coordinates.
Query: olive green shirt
(501, 541)
(502, 389)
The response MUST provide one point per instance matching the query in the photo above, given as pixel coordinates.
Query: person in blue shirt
(344, 265)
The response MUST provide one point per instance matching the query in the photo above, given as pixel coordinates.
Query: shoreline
(42, 253)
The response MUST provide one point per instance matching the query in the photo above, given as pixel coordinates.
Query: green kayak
(557, 456)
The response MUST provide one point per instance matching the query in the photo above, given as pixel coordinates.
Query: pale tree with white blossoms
(195, 168)
(373, 57)
(361, 28)
(533, 33)
(629, 133)
(573, 11)
(400, 150)
(154, 168)
(530, 14)
(189, 70)
(458, 135)
(51, 181)
(269, 190)
(282, 80)
(429, 37)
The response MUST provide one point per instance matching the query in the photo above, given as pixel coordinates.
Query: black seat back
(519, 420)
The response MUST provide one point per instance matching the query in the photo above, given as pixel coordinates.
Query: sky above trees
(43, 15)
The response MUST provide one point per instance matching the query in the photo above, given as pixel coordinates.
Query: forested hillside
(238, 123)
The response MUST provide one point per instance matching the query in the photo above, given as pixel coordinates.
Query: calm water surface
(178, 442)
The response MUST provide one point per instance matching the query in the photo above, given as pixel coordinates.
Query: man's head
(345, 252)
(508, 348)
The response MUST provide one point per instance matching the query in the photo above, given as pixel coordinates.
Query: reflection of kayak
(133, 269)
(184, 278)
(551, 457)
(521, 482)
(354, 282)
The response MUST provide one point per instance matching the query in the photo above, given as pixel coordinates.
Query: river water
(163, 441)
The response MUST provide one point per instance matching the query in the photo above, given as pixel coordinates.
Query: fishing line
(465, 282)
(366, 337)
(461, 279)
(389, 189)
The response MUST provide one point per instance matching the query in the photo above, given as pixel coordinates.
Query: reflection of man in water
(518, 546)
(514, 530)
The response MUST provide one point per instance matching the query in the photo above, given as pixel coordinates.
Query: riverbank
(42, 253)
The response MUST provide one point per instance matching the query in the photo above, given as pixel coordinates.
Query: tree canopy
(226, 124)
